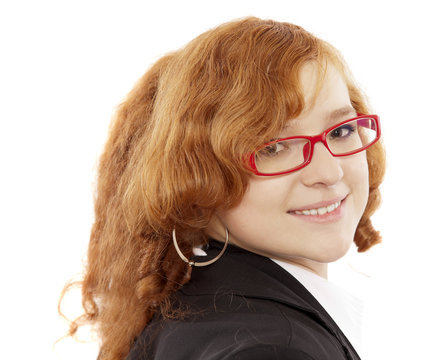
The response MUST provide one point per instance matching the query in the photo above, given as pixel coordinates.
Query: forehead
(327, 100)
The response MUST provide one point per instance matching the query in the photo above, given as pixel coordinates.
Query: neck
(320, 269)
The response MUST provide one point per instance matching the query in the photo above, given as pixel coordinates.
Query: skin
(263, 222)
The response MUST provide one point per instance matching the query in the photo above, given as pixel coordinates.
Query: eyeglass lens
(284, 155)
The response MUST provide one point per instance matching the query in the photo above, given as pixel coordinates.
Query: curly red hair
(174, 156)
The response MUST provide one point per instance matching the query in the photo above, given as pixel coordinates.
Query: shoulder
(233, 351)
(270, 352)
(218, 340)
(229, 326)
(241, 306)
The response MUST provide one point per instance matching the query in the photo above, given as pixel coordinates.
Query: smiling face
(308, 217)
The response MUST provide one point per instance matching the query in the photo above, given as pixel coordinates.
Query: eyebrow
(333, 116)
(337, 114)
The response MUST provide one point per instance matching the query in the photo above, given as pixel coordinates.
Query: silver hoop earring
(205, 263)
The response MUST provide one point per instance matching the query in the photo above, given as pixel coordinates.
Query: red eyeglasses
(282, 156)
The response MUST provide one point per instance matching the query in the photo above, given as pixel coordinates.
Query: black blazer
(244, 306)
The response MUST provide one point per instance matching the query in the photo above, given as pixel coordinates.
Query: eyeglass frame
(313, 140)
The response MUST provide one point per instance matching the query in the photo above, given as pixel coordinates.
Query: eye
(272, 149)
(343, 131)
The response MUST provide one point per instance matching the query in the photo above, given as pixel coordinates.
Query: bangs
(247, 77)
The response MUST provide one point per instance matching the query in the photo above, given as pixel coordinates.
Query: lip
(319, 204)
(331, 217)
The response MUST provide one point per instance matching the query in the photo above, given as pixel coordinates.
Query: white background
(64, 67)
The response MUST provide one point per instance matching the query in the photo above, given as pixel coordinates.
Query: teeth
(322, 211)
(319, 211)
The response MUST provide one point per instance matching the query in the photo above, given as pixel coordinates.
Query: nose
(324, 169)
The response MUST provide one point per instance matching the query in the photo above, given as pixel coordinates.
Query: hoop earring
(204, 263)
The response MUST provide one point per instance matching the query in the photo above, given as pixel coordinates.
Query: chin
(333, 253)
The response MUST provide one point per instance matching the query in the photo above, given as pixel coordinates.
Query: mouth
(321, 212)
(318, 211)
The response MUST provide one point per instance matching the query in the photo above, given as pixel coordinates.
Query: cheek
(262, 196)
(260, 209)
(357, 174)
(265, 193)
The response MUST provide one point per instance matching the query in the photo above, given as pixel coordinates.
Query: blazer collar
(248, 274)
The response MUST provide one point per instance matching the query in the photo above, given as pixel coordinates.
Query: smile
(319, 211)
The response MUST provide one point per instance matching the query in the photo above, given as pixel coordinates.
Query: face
(270, 220)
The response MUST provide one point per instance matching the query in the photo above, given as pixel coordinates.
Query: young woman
(235, 171)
